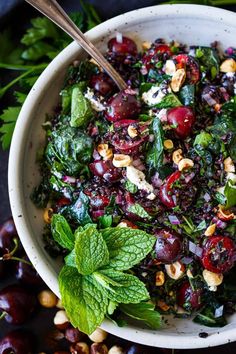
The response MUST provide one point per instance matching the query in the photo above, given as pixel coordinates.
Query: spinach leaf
(61, 232)
(144, 312)
(208, 318)
(81, 110)
(230, 194)
(79, 211)
(209, 60)
(187, 95)
(156, 151)
(169, 101)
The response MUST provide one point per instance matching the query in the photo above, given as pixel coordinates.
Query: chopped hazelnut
(168, 144)
(98, 336)
(210, 230)
(177, 156)
(212, 279)
(146, 45)
(61, 321)
(47, 298)
(229, 165)
(228, 66)
(177, 80)
(175, 270)
(121, 160)
(47, 215)
(160, 278)
(132, 131)
(185, 164)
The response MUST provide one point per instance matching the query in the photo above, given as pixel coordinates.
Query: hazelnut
(121, 160)
(163, 306)
(151, 196)
(212, 279)
(79, 348)
(105, 151)
(185, 164)
(160, 278)
(175, 270)
(177, 80)
(116, 350)
(61, 321)
(228, 66)
(98, 336)
(168, 144)
(146, 45)
(170, 67)
(229, 165)
(98, 348)
(47, 215)
(132, 131)
(210, 230)
(47, 298)
(177, 156)
(224, 214)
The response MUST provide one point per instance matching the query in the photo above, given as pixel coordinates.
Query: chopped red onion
(173, 220)
(186, 260)
(119, 37)
(207, 97)
(130, 91)
(195, 249)
(156, 181)
(138, 164)
(69, 179)
(221, 224)
(189, 177)
(219, 311)
(96, 155)
(207, 197)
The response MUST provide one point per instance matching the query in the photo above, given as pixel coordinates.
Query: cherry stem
(21, 260)
(16, 242)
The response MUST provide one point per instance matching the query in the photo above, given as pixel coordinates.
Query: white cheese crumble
(162, 115)
(138, 178)
(155, 95)
(95, 102)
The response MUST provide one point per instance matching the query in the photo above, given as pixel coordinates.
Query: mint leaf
(138, 210)
(130, 187)
(81, 110)
(70, 259)
(144, 312)
(91, 251)
(83, 298)
(121, 287)
(104, 221)
(127, 246)
(61, 232)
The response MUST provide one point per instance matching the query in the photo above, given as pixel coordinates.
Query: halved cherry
(102, 83)
(181, 120)
(123, 47)
(218, 254)
(97, 200)
(156, 54)
(187, 62)
(167, 192)
(106, 170)
(123, 105)
(168, 247)
(188, 298)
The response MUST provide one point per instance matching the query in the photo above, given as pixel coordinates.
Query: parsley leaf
(9, 117)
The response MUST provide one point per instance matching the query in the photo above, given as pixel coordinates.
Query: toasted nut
(121, 160)
(185, 163)
(79, 348)
(109, 155)
(132, 131)
(189, 274)
(170, 67)
(163, 305)
(168, 144)
(47, 215)
(177, 80)
(229, 165)
(98, 348)
(47, 298)
(98, 336)
(61, 321)
(160, 278)
(212, 279)
(151, 196)
(224, 214)
(102, 149)
(177, 156)
(146, 45)
(175, 270)
(116, 350)
(210, 230)
(228, 66)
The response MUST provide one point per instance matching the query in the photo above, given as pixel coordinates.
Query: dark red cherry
(122, 106)
(188, 298)
(17, 342)
(124, 47)
(167, 195)
(168, 247)
(17, 302)
(27, 274)
(102, 83)
(187, 62)
(106, 170)
(7, 234)
(181, 120)
(155, 54)
(218, 254)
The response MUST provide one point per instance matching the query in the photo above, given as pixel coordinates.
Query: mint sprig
(94, 272)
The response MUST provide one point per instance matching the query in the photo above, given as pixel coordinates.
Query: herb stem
(20, 67)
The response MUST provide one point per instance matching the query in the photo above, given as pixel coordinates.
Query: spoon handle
(55, 13)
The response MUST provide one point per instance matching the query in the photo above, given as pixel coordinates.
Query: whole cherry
(181, 120)
(168, 247)
(188, 298)
(17, 342)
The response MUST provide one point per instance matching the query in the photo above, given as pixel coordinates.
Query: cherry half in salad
(156, 161)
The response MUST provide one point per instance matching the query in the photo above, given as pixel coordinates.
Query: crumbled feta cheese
(138, 178)
(151, 196)
(155, 95)
(95, 102)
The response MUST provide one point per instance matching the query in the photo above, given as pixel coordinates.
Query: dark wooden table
(17, 12)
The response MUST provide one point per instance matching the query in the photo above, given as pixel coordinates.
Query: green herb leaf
(81, 110)
(130, 187)
(230, 194)
(61, 232)
(204, 139)
(207, 318)
(9, 117)
(127, 246)
(155, 152)
(91, 251)
(144, 312)
(84, 300)
(121, 287)
(78, 212)
(138, 210)
(93, 18)
(187, 95)
(37, 51)
(104, 221)
(169, 101)
(41, 28)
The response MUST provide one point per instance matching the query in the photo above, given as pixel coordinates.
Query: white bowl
(191, 24)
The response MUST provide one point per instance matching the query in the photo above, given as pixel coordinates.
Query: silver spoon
(55, 13)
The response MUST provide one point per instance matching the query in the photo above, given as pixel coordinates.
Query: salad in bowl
(139, 186)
